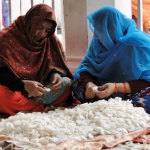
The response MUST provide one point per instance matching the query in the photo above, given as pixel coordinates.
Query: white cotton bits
(48, 89)
(115, 117)
(95, 88)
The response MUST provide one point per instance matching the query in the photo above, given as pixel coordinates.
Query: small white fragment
(48, 89)
(95, 88)
(36, 140)
(90, 136)
(51, 144)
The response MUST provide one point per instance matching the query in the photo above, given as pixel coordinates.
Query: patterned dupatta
(26, 57)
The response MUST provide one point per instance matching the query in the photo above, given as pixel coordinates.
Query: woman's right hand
(105, 90)
(90, 93)
(34, 88)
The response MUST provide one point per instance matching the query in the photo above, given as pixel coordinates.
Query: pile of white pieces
(115, 117)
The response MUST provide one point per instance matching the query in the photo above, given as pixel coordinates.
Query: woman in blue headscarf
(117, 62)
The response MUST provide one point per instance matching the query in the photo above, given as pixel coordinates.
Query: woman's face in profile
(43, 30)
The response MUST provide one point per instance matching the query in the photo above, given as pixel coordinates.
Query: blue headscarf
(120, 52)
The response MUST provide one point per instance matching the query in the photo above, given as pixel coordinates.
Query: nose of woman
(42, 33)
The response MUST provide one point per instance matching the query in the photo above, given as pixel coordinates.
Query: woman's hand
(106, 90)
(34, 88)
(90, 92)
(56, 81)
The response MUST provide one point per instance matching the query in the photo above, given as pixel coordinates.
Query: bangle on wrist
(124, 87)
(116, 88)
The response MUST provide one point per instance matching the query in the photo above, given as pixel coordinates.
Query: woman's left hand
(106, 90)
(56, 81)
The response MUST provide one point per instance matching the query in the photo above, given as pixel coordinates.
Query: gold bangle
(116, 88)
